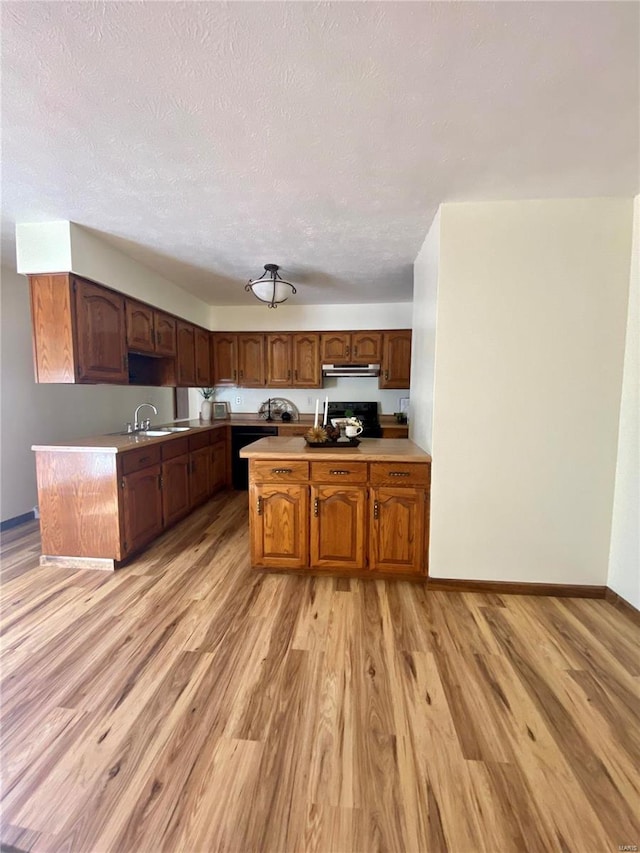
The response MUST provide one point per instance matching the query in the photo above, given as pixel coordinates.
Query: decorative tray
(351, 442)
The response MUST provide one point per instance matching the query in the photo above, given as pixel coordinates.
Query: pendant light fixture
(270, 287)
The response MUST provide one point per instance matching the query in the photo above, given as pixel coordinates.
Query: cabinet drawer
(399, 473)
(135, 460)
(201, 439)
(218, 435)
(278, 472)
(291, 431)
(175, 447)
(339, 472)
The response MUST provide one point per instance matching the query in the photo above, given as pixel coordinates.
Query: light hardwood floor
(186, 703)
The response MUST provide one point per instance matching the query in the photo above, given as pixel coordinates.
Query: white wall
(38, 414)
(532, 304)
(624, 556)
(67, 247)
(293, 318)
(425, 296)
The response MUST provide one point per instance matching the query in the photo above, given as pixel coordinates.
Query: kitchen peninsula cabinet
(103, 499)
(350, 511)
(78, 331)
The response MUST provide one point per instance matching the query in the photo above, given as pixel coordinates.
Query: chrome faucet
(143, 424)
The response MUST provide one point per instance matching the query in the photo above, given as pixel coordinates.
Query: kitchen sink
(154, 432)
(178, 429)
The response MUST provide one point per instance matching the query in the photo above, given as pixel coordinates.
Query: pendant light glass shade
(271, 288)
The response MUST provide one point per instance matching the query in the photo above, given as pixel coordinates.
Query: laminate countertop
(369, 450)
(121, 442)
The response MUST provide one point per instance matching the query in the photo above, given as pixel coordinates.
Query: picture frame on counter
(220, 411)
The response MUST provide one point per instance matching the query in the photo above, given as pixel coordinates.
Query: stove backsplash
(336, 389)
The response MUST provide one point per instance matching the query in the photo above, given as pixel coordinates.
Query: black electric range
(367, 413)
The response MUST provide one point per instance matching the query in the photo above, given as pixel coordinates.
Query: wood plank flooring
(186, 703)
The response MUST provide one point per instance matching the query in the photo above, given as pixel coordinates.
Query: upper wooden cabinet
(78, 331)
(251, 366)
(279, 370)
(165, 329)
(224, 358)
(307, 370)
(150, 332)
(351, 347)
(186, 357)
(202, 357)
(396, 359)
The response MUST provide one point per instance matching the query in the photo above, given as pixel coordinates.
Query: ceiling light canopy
(270, 287)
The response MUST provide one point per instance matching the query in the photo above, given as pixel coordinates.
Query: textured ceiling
(207, 139)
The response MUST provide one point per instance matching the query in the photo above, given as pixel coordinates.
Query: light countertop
(369, 450)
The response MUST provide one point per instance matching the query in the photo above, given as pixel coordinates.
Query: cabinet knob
(316, 507)
(376, 509)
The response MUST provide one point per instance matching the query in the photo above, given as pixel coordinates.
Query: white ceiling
(207, 139)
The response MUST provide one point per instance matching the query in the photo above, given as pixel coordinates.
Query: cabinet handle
(386, 374)
(376, 509)
(241, 374)
(347, 349)
(288, 374)
(259, 506)
(145, 459)
(399, 473)
(296, 375)
(282, 470)
(339, 471)
(234, 373)
(316, 507)
(355, 351)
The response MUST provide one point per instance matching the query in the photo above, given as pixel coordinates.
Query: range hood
(351, 370)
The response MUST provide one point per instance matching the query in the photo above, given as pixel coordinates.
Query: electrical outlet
(239, 401)
(309, 401)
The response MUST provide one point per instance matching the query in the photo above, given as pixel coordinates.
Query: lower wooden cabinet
(279, 525)
(397, 524)
(303, 517)
(337, 529)
(141, 508)
(176, 502)
(98, 508)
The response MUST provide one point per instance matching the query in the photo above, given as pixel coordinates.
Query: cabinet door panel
(396, 360)
(225, 359)
(186, 359)
(165, 334)
(338, 527)
(203, 358)
(141, 508)
(279, 525)
(200, 463)
(140, 327)
(175, 489)
(279, 371)
(101, 334)
(398, 524)
(366, 347)
(251, 368)
(218, 466)
(335, 347)
(307, 372)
